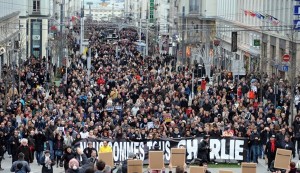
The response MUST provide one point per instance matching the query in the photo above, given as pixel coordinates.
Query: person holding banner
(88, 150)
(203, 149)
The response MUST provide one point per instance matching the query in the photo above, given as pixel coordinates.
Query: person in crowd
(255, 142)
(23, 148)
(288, 145)
(39, 139)
(204, 149)
(205, 166)
(58, 148)
(105, 148)
(67, 156)
(14, 144)
(180, 169)
(89, 149)
(101, 167)
(73, 165)
(270, 151)
(2, 149)
(94, 157)
(47, 163)
(293, 168)
(20, 164)
(49, 133)
(31, 144)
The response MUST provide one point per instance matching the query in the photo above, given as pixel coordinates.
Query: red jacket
(101, 81)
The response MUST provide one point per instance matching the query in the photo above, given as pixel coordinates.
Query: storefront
(36, 37)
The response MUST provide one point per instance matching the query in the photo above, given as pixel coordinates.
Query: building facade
(9, 32)
(34, 26)
(265, 33)
(105, 9)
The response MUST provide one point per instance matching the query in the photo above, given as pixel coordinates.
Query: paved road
(6, 164)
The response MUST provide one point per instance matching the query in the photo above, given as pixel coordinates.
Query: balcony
(36, 12)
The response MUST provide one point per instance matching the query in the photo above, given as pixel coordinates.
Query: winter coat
(203, 151)
(25, 167)
(88, 151)
(66, 158)
(45, 169)
(268, 150)
(26, 151)
(2, 146)
(59, 144)
(40, 139)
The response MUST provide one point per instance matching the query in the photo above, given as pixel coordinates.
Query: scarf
(272, 146)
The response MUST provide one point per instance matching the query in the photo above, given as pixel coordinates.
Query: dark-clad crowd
(135, 97)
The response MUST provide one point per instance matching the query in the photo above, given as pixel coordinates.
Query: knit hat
(73, 164)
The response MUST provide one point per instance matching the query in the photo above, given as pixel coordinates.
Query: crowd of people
(134, 97)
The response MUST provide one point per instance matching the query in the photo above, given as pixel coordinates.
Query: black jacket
(268, 150)
(66, 158)
(255, 139)
(39, 140)
(88, 151)
(45, 168)
(203, 151)
(2, 145)
(265, 136)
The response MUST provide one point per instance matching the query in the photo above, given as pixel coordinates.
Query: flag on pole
(74, 18)
(252, 14)
(260, 16)
(53, 28)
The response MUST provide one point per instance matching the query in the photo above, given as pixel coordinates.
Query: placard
(196, 169)
(178, 156)
(248, 167)
(156, 160)
(282, 159)
(134, 166)
(107, 157)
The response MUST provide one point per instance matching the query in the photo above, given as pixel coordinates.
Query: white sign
(36, 37)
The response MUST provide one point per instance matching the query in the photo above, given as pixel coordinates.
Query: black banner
(222, 148)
